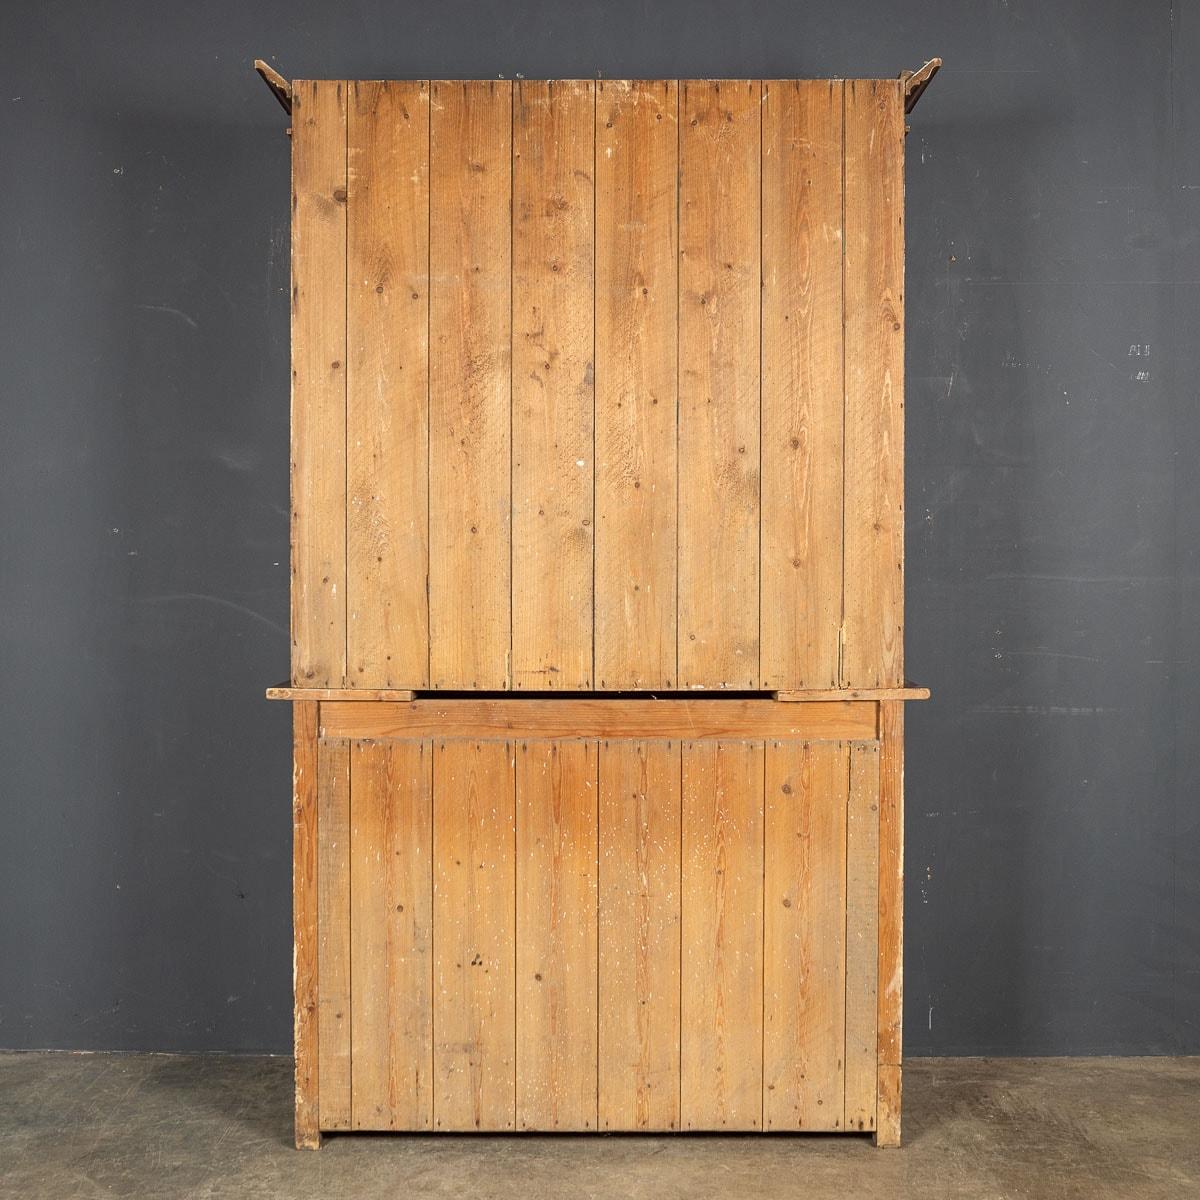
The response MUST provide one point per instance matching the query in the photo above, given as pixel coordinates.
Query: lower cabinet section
(595, 934)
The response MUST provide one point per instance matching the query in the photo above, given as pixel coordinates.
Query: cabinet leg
(887, 1111)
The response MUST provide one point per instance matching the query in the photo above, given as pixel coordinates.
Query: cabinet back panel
(598, 386)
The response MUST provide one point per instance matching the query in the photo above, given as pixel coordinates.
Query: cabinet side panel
(387, 385)
(470, 466)
(391, 931)
(556, 935)
(891, 917)
(639, 935)
(554, 130)
(722, 936)
(873, 650)
(319, 383)
(719, 309)
(333, 925)
(804, 1009)
(474, 930)
(304, 920)
(636, 383)
(802, 400)
(862, 936)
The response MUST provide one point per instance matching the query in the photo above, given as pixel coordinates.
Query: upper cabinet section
(598, 386)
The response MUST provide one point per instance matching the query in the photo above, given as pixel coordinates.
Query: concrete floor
(152, 1126)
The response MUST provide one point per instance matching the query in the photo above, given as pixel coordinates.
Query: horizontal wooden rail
(683, 719)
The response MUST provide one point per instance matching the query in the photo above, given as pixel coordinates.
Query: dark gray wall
(1053, 899)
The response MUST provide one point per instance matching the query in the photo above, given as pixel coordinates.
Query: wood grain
(694, 719)
(470, 384)
(862, 935)
(639, 935)
(556, 935)
(891, 920)
(722, 930)
(802, 389)
(553, 383)
(333, 931)
(391, 934)
(636, 384)
(318, 604)
(474, 918)
(873, 650)
(804, 1005)
(719, 317)
(305, 970)
(387, 384)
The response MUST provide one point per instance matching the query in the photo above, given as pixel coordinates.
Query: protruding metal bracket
(915, 82)
(280, 88)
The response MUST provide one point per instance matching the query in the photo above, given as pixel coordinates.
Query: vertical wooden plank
(891, 919)
(636, 383)
(722, 931)
(639, 935)
(318, 383)
(719, 304)
(873, 650)
(862, 935)
(802, 388)
(556, 935)
(804, 1008)
(387, 382)
(474, 927)
(553, 392)
(304, 921)
(391, 931)
(470, 321)
(333, 931)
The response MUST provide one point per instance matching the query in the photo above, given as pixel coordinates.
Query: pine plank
(873, 650)
(636, 384)
(333, 931)
(391, 934)
(722, 930)
(318, 597)
(804, 1008)
(802, 387)
(862, 936)
(639, 960)
(719, 318)
(891, 919)
(470, 384)
(599, 718)
(556, 935)
(305, 971)
(554, 131)
(474, 929)
(387, 384)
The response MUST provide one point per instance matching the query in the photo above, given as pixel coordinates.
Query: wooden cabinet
(597, 604)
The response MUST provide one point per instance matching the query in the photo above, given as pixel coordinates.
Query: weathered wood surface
(305, 968)
(599, 718)
(557, 797)
(470, 418)
(553, 380)
(570, 933)
(318, 468)
(639, 861)
(598, 386)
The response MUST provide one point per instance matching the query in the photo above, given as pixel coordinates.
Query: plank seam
(841, 645)
(346, 388)
(430, 176)
(758, 555)
(680, 90)
(509, 673)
